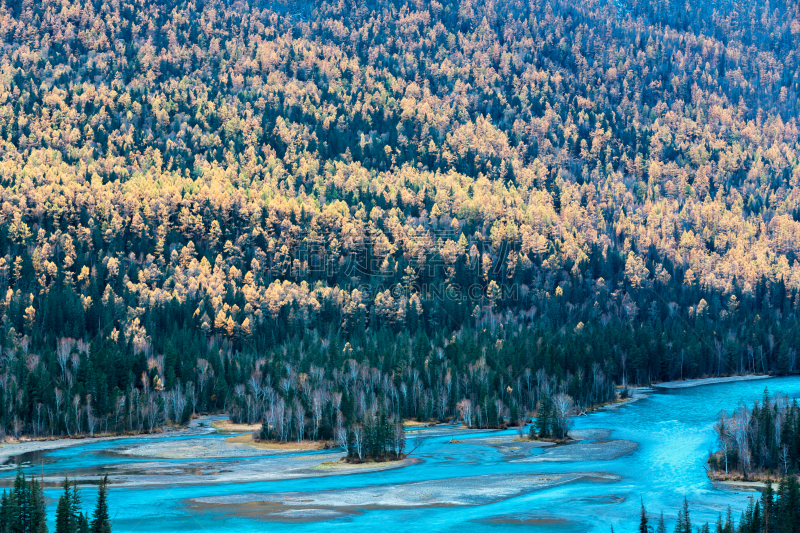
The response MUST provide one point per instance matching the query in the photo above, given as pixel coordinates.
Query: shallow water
(673, 430)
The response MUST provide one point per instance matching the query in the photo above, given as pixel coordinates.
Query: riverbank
(634, 395)
(708, 381)
(343, 465)
(226, 426)
(739, 486)
(201, 425)
(248, 469)
(29, 446)
(220, 448)
(736, 478)
(249, 439)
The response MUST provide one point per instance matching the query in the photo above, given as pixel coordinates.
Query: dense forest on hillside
(315, 213)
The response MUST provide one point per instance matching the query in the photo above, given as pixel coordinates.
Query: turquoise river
(653, 449)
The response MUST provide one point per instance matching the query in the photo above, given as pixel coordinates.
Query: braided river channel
(653, 450)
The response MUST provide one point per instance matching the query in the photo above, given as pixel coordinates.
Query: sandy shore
(342, 466)
(220, 448)
(635, 394)
(747, 486)
(277, 468)
(707, 381)
(19, 448)
(207, 448)
(199, 426)
(589, 444)
(226, 426)
(415, 424)
(509, 445)
(461, 491)
(286, 447)
(601, 450)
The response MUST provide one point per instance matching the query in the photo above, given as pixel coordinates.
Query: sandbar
(199, 426)
(217, 448)
(708, 381)
(460, 491)
(506, 444)
(601, 450)
(250, 469)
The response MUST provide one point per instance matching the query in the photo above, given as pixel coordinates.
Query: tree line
(22, 509)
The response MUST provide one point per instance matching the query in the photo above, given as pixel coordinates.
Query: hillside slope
(388, 206)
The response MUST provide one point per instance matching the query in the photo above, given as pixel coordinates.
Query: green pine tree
(76, 516)
(64, 511)
(686, 526)
(679, 522)
(643, 520)
(662, 527)
(4, 518)
(100, 520)
(768, 509)
(21, 493)
(544, 416)
(13, 517)
(83, 523)
(38, 517)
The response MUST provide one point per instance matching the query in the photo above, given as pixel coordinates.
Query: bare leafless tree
(563, 405)
(358, 440)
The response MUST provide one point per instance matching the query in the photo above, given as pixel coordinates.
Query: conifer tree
(77, 518)
(679, 522)
(37, 508)
(643, 520)
(12, 520)
(100, 519)
(662, 527)
(4, 513)
(64, 520)
(544, 416)
(22, 520)
(22, 509)
(767, 508)
(687, 523)
(683, 524)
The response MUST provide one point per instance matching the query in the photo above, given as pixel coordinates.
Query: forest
(762, 440)
(22, 509)
(774, 511)
(325, 215)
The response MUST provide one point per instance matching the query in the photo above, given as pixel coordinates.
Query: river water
(673, 430)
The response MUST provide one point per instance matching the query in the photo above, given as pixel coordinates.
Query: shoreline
(634, 395)
(240, 470)
(224, 447)
(687, 383)
(748, 486)
(202, 425)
